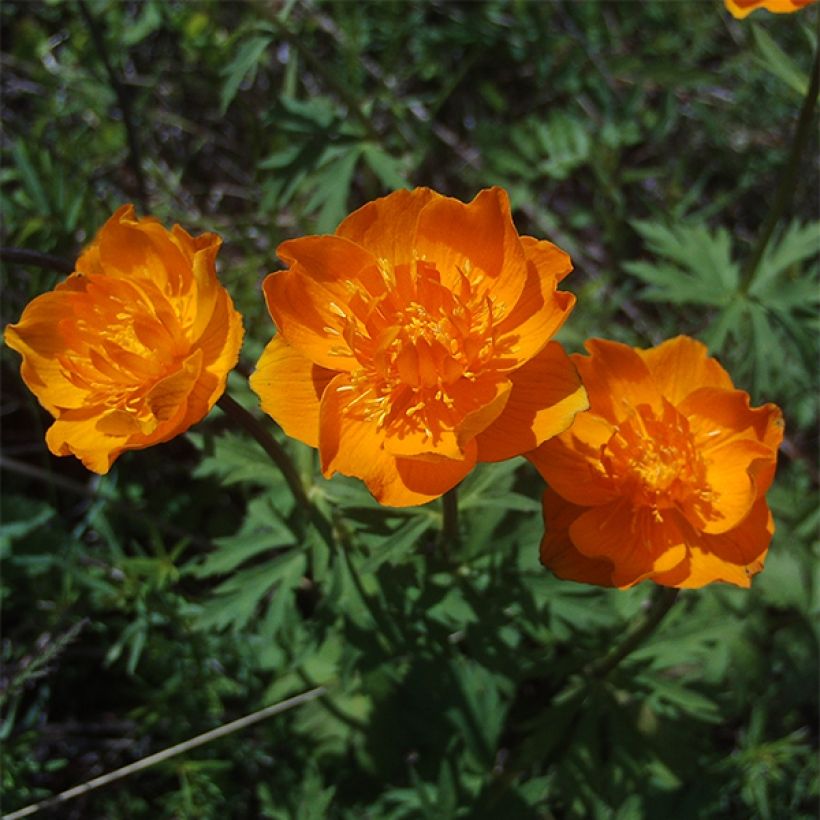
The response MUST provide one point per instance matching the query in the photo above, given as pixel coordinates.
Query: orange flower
(415, 342)
(135, 346)
(665, 477)
(740, 8)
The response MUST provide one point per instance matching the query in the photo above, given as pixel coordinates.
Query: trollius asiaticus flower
(664, 477)
(416, 341)
(133, 347)
(741, 8)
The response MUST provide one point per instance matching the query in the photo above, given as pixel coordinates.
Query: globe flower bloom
(415, 342)
(133, 347)
(741, 8)
(664, 477)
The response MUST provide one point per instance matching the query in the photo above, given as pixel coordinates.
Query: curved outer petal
(541, 309)
(356, 448)
(557, 550)
(718, 417)
(290, 387)
(313, 295)
(570, 462)
(678, 365)
(732, 557)
(478, 238)
(730, 472)
(387, 226)
(616, 378)
(638, 544)
(37, 337)
(546, 396)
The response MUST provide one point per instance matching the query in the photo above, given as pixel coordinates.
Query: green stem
(662, 602)
(24, 256)
(786, 186)
(449, 527)
(236, 412)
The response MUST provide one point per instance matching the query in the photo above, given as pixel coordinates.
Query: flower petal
(473, 404)
(617, 379)
(478, 239)
(570, 463)
(290, 387)
(557, 550)
(387, 226)
(638, 543)
(732, 557)
(730, 474)
(355, 447)
(308, 300)
(546, 396)
(682, 364)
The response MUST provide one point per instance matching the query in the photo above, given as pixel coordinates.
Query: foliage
(186, 588)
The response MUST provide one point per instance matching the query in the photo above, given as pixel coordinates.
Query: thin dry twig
(167, 754)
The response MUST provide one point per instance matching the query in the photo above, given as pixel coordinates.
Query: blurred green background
(183, 589)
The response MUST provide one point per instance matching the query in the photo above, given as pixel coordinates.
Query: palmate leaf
(695, 267)
(234, 602)
(703, 271)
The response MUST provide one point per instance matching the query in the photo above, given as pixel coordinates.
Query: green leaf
(234, 602)
(262, 531)
(399, 543)
(388, 169)
(773, 58)
(243, 64)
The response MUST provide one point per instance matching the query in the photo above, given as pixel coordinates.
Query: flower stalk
(785, 188)
(237, 413)
(662, 601)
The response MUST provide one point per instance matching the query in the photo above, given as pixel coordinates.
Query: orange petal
(546, 396)
(356, 448)
(717, 416)
(732, 557)
(38, 338)
(536, 317)
(741, 8)
(570, 463)
(557, 550)
(387, 227)
(77, 434)
(169, 394)
(681, 365)
(290, 387)
(730, 472)
(635, 541)
(478, 239)
(549, 260)
(474, 405)
(617, 379)
(308, 301)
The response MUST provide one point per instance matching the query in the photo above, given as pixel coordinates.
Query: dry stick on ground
(167, 754)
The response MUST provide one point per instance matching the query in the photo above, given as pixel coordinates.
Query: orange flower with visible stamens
(416, 341)
(664, 477)
(741, 8)
(133, 347)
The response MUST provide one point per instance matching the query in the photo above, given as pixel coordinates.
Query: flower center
(122, 338)
(655, 461)
(415, 341)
